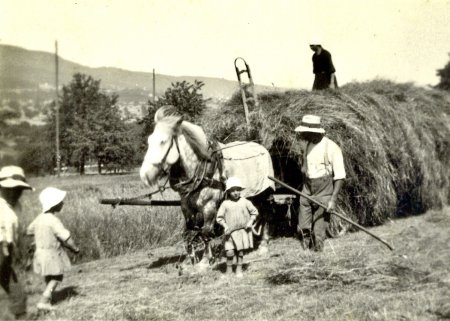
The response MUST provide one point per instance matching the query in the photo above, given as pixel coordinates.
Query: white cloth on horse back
(9, 223)
(325, 158)
(236, 214)
(49, 257)
(251, 163)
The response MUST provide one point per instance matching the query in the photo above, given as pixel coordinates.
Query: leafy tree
(184, 96)
(90, 125)
(7, 114)
(444, 74)
(37, 155)
(113, 146)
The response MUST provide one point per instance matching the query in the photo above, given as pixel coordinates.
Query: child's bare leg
(52, 283)
(230, 261)
(240, 261)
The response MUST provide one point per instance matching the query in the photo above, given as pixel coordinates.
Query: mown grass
(100, 230)
(355, 278)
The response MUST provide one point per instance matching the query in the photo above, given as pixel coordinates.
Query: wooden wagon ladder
(244, 86)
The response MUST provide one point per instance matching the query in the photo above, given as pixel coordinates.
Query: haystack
(395, 140)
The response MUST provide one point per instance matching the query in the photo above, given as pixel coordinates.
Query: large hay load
(395, 139)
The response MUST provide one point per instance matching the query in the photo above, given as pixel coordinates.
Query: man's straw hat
(51, 197)
(310, 123)
(12, 177)
(233, 182)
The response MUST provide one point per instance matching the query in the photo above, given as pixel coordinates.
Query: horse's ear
(164, 111)
(177, 128)
(159, 114)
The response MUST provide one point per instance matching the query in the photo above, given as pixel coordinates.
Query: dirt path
(355, 278)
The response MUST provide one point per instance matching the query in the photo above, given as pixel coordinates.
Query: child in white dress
(50, 259)
(236, 215)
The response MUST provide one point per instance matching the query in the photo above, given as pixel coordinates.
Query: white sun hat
(233, 182)
(51, 197)
(13, 176)
(315, 40)
(310, 123)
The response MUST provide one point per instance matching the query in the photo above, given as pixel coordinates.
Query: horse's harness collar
(204, 173)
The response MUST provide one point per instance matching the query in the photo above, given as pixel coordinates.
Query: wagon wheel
(337, 226)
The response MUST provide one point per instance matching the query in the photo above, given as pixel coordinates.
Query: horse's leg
(189, 233)
(266, 222)
(190, 249)
(209, 215)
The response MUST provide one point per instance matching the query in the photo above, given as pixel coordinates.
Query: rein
(160, 189)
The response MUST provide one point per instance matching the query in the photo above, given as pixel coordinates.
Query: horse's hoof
(263, 250)
(202, 266)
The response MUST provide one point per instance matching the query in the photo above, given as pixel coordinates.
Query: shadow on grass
(179, 258)
(173, 259)
(222, 267)
(64, 293)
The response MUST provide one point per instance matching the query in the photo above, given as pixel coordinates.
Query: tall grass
(101, 230)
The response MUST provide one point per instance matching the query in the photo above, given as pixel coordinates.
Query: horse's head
(163, 150)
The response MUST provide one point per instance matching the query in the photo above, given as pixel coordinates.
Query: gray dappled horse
(197, 169)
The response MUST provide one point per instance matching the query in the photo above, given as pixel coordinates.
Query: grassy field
(355, 278)
(100, 230)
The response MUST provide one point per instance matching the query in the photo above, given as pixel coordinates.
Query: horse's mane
(195, 136)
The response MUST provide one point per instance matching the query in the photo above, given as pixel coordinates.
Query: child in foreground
(50, 235)
(236, 215)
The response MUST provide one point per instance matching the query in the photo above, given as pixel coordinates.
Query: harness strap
(204, 173)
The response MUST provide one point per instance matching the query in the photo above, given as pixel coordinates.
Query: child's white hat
(50, 197)
(233, 182)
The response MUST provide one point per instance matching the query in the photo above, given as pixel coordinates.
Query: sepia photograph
(221, 160)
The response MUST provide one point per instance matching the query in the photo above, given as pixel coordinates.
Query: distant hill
(28, 77)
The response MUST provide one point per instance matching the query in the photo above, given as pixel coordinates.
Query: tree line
(93, 130)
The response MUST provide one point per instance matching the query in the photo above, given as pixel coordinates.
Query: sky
(400, 40)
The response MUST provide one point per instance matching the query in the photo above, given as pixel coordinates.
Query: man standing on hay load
(323, 176)
(323, 69)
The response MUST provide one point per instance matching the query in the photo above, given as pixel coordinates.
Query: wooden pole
(58, 155)
(120, 201)
(333, 212)
(154, 87)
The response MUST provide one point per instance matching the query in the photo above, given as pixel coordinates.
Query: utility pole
(154, 87)
(58, 155)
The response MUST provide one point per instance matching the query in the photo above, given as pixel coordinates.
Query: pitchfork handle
(332, 212)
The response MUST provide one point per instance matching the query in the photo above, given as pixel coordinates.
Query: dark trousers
(313, 220)
(322, 81)
(10, 283)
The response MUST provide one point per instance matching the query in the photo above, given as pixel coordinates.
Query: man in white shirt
(323, 176)
(12, 184)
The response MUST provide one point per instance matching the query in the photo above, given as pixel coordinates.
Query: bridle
(160, 165)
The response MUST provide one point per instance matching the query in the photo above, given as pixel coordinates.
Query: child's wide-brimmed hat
(233, 182)
(13, 177)
(310, 123)
(50, 197)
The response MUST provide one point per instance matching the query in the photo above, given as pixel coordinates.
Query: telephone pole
(154, 87)
(58, 155)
